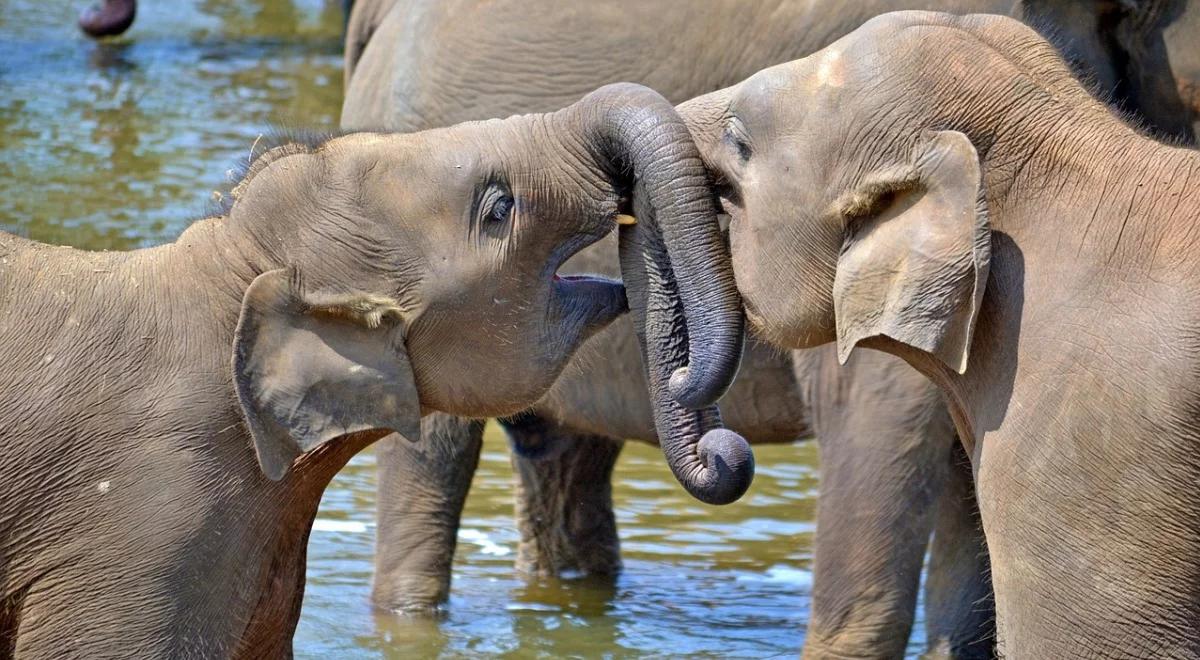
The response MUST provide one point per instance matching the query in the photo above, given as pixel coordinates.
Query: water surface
(118, 145)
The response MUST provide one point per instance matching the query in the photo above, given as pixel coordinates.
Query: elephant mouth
(589, 302)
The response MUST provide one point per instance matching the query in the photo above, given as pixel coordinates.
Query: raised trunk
(688, 314)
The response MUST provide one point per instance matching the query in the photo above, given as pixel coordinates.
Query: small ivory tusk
(623, 219)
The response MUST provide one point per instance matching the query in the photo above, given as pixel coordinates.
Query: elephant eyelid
(501, 207)
(494, 206)
(738, 137)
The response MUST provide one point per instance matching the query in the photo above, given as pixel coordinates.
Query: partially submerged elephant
(171, 415)
(953, 196)
(891, 471)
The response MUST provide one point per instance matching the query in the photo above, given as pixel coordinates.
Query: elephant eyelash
(501, 208)
(737, 137)
(494, 208)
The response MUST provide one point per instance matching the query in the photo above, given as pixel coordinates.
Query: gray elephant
(981, 216)
(172, 415)
(416, 65)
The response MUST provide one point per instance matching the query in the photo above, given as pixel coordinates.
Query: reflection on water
(112, 145)
(116, 145)
(698, 580)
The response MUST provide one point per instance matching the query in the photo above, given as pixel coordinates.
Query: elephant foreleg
(564, 499)
(960, 610)
(422, 488)
(884, 437)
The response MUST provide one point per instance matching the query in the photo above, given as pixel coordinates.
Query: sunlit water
(117, 145)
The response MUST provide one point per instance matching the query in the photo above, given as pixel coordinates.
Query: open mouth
(587, 302)
(590, 300)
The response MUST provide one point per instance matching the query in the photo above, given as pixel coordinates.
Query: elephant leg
(422, 488)
(960, 610)
(884, 436)
(564, 499)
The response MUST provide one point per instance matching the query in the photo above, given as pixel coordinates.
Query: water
(698, 580)
(117, 145)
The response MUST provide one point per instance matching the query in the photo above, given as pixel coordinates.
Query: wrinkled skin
(1141, 55)
(981, 216)
(458, 56)
(172, 415)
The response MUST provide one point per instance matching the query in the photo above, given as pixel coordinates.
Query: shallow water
(118, 145)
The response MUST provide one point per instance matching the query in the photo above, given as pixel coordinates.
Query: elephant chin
(109, 18)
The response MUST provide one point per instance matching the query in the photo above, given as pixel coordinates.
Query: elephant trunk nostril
(728, 457)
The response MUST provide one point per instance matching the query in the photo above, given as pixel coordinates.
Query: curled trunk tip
(728, 467)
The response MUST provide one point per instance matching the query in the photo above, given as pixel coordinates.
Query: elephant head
(846, 223)
(407, 262)
(1139, 53)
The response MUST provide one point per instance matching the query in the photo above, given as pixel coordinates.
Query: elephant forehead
(830, 69)
(782, 85)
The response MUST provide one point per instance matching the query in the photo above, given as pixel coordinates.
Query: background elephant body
(171, 416)
(886, 442)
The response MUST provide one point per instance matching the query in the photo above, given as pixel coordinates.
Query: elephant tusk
(623, 219)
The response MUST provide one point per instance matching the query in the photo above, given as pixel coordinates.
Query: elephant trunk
(109, 18)
(640, 131)
(679, 277)
(714, 464)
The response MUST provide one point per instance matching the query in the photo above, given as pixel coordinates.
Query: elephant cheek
(744, 255)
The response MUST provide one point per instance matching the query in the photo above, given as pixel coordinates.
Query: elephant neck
(1092, 189)
(216, 260)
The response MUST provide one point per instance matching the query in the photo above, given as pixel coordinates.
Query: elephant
(417, 65)
(981, 216)
(1138, 54)
(172, 415)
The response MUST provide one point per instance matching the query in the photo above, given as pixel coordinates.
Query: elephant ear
(311, 368)
(914, 263)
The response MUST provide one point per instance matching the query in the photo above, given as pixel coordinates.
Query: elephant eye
(495, 206)
(737, 137)
(501, 208)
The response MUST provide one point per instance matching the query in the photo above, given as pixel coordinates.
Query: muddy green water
(117, 145)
